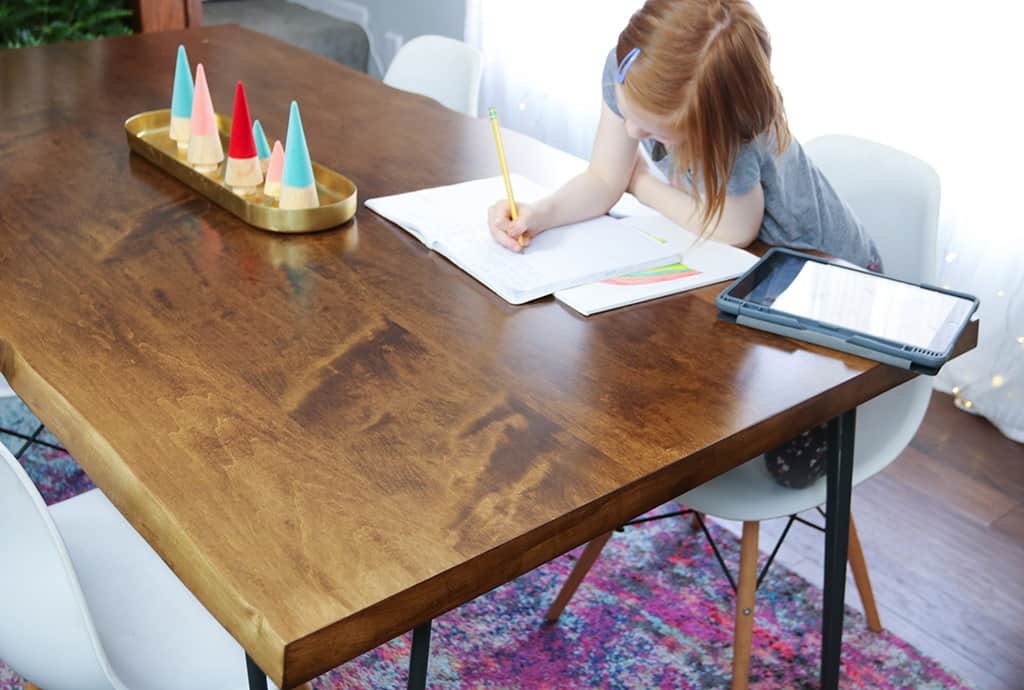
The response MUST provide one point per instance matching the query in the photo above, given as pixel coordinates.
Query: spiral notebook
(452, 221)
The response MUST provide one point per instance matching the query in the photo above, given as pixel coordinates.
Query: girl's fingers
(504, 230)
(505, 241)
(517, 227)
(497, 211)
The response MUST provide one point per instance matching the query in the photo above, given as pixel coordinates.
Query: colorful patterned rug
(655, 612)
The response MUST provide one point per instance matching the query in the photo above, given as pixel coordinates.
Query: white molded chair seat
(88, 605)
(896, 196)
(441, 68)
(885, 426)
(155, 632)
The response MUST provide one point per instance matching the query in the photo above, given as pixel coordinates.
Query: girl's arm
(615, 166)
(593, 192)
(589, 194)
(741, 217)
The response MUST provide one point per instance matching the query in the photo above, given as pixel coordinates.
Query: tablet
(869, 314)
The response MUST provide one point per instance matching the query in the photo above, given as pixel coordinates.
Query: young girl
(690, 82)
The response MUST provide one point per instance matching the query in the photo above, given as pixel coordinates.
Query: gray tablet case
(918, 359)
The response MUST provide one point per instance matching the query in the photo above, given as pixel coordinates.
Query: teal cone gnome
(181, 101)
(298, 188)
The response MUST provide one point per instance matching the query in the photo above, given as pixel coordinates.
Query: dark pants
(800, 462)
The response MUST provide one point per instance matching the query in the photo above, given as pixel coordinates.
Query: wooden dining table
(333, 438)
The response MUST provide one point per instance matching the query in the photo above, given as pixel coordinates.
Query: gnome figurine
(262, 149)
(243, 173)
(181, 101)
(272, 188)
(298, 187)
(205, 152)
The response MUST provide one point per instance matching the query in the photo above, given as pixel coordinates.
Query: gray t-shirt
(801, 209)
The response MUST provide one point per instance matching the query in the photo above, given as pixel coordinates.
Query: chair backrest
(46, 632)
(896, 197)
(444, 69)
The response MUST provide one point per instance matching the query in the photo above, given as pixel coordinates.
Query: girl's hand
(507, 232)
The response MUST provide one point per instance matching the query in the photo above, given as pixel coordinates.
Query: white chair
(86, 604)
(441, 68)
(896, 196)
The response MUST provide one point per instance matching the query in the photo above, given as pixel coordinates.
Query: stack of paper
(701, 263)
(452, 220)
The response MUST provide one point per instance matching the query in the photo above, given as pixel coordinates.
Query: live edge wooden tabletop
(332, 438)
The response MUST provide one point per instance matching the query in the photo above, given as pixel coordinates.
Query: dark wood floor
(943, 534)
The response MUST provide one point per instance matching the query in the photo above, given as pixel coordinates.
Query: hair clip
(627, 62)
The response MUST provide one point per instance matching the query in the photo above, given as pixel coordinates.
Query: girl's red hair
(705, 64)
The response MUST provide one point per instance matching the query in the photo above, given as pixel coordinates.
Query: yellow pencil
(512, 210)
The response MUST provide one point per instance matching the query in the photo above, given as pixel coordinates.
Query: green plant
(34, 22)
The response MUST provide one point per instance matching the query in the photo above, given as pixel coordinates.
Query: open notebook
(452, 220)
(702, 263)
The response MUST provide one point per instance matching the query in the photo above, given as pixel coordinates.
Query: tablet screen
(856, 300)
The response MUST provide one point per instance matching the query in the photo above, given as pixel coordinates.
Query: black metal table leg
(839, 479)
(419, 656)
(257, 678)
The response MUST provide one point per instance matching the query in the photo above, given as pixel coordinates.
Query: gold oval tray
(149, 136)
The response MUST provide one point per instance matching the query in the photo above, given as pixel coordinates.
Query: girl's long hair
(705, 64)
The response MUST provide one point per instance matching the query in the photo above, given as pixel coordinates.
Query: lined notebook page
(454, 221)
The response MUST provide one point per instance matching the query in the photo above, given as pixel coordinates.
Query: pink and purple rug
(655, 612)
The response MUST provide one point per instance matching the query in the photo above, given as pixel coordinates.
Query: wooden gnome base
(181, 128)
(298, 197)
(205, 152)
(243, 175)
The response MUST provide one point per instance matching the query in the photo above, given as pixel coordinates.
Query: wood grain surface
(335, 437)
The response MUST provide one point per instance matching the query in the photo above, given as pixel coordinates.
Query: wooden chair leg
(745, 607)
(860, 575)
(579, 571)
(695, 520)
(31, 686)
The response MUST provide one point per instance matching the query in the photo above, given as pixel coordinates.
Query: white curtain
(543, 61)
(941, 80)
